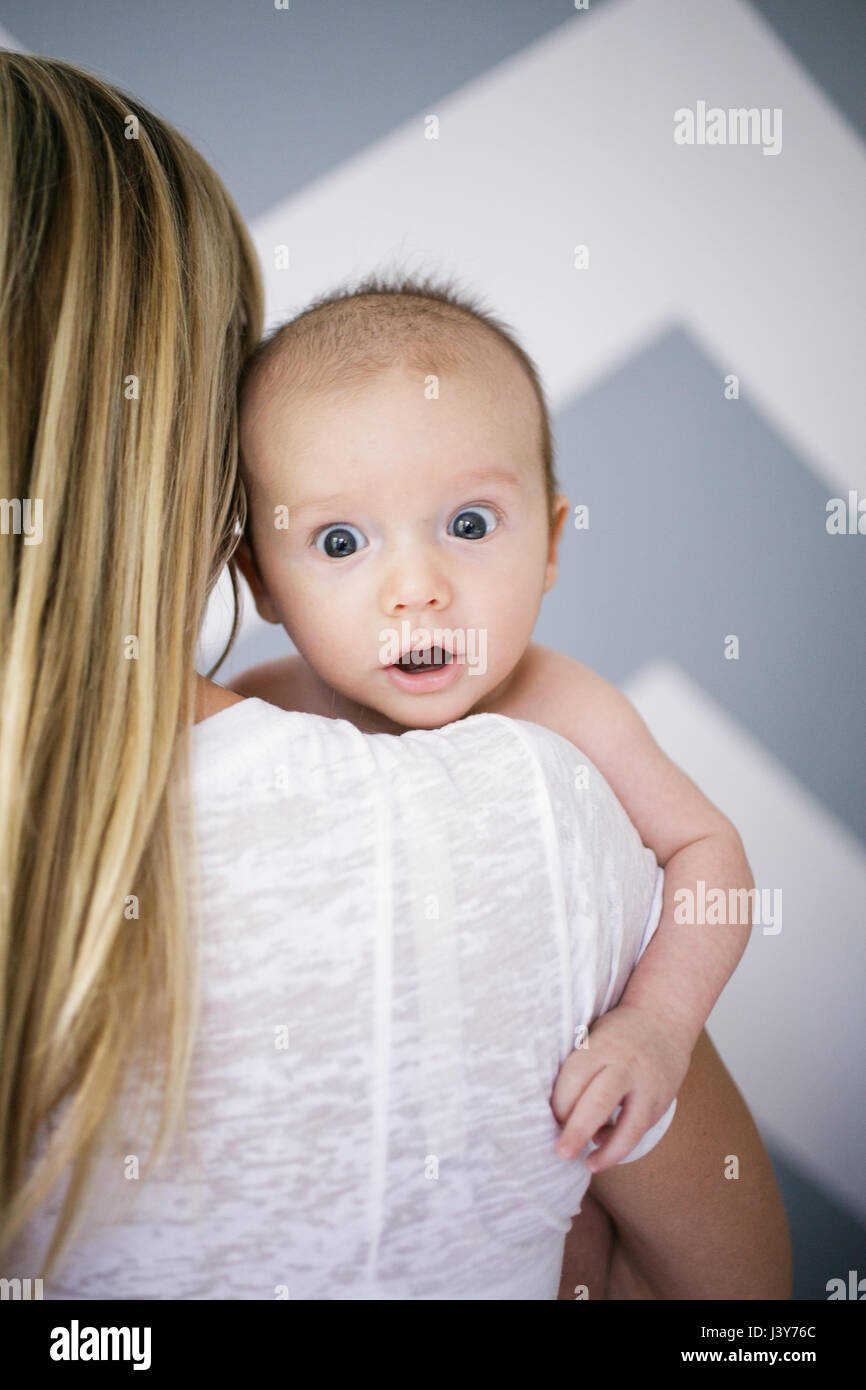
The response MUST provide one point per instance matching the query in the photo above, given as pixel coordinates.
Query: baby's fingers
(593, 1109)
(574, 1077)
(616, 1141)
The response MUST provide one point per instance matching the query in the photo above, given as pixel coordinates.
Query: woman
(365, 1076)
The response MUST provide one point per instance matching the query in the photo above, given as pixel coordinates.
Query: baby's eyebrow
(490, 475)
(308, 504)
(471, 476)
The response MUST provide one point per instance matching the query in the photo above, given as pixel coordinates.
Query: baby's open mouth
(424, 659)
(425, 670)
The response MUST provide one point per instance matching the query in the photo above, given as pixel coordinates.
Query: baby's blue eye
(473, 523)
(337, 541)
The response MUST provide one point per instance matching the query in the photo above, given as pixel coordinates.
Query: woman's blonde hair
(130, 297)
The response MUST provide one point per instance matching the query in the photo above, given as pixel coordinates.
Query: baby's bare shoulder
(549, 673)
(278, 682)
(560, 692)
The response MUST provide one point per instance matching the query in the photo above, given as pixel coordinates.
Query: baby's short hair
(343, 338)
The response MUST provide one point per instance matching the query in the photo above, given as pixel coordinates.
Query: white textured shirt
(402, 939)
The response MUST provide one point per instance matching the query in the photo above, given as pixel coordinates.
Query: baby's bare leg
(588, 1250)
(682, 1228)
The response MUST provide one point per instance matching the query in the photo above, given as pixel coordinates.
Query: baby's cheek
(337, 646)
(505, 644)
(321, 643)
(303, 625)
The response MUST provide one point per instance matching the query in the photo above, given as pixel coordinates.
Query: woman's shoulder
(243, 739)
(214, 701)
(245, 734)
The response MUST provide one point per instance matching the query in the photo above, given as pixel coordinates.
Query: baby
(403, 527)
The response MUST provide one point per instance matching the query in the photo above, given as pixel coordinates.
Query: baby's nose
(415, 588)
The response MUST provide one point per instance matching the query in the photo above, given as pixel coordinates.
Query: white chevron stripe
(788, 1023)
(571, 141)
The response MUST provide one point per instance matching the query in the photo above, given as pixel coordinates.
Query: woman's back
(400, 938)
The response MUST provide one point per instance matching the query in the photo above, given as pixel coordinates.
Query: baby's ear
(561, 510)
(246, 562)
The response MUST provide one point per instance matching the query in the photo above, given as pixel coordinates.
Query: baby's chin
(424, 711)
(417, 718)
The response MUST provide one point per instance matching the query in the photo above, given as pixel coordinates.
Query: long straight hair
(130, 297)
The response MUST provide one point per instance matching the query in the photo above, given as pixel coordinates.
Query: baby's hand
(631, 1058)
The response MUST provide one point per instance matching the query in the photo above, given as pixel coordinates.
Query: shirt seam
(550, 837)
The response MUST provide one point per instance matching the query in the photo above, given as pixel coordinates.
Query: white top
(400, 937)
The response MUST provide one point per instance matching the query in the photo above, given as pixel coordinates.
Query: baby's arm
(638, 1053)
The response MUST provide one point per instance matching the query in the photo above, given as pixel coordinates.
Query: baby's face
(387, 525)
